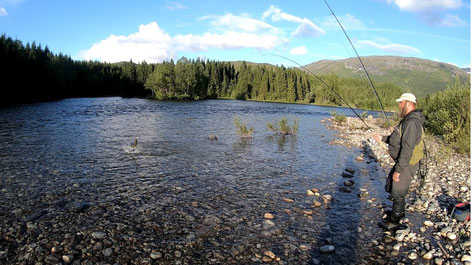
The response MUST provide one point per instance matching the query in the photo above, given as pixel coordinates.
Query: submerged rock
(327, 249)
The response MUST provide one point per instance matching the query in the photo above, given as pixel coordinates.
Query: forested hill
(416, 75)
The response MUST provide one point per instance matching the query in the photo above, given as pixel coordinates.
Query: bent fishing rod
(362, 64)
(324, 83)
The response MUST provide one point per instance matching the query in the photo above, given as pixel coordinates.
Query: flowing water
(67, 170)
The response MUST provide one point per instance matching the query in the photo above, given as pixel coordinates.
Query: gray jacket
(401, 144)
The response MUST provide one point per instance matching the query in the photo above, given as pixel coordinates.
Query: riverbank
(432, 236)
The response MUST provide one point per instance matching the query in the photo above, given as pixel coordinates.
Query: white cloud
(3, 12)
(153, 44)
(426, 5)
(433, 11)
(390, 47)
(452, 21)
(175, 6)
(298, 50)
(348, 21)
(150, 43)
(239, 23)
(306, 27)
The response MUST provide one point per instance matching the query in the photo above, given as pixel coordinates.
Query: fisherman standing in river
(405, 146)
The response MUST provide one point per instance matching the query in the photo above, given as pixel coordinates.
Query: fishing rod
(324, 83)
(362, 64)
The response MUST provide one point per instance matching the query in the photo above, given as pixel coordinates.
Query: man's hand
(396, 177)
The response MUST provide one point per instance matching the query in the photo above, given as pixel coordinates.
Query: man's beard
(403, 112)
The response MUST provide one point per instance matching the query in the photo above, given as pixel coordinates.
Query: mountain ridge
(416, 75)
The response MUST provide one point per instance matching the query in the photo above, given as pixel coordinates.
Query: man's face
(403, 108)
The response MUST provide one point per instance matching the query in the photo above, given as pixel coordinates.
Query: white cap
(407, 97)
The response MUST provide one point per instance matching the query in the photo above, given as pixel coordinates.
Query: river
(71, 192)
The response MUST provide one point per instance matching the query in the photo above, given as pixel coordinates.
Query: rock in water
(269, 254)
(268, 216)
(349, 182)
(326, 249)
(287, 200)
(350, 170)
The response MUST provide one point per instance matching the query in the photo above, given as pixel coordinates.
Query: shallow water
(64, 167)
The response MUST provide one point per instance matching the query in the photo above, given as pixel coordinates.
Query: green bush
(243, 131)
(338, 118)
(283, 127)
(448, 114)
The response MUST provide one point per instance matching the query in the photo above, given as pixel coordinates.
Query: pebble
(327, 198)
(269, 254)
(304, 247)
(466, 258)
(400, 234)
(397, 246)
(310, 193)
(156, 255)
(67, 258)
(31, 225)
(98, 235)
(359, 158)
(268, 216)
(445, 230)
(428, 255)
(326, 249)
(428, 223)
(349, 182)
(316, 203)
(350, 170)
(438, 261)
(451, 236)
(288, 200)
(412, 255)
(308, 212)
(107, 252)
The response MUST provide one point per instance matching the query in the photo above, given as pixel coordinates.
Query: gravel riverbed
(131, 213)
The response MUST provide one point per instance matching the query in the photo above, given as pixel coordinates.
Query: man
(405, 146)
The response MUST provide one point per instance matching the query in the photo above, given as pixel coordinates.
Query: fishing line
(342, 41)
(323, 82)
(362, 64)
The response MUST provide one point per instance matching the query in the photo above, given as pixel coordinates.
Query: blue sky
(304, 31)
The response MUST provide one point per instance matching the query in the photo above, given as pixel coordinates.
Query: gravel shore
(432, 236)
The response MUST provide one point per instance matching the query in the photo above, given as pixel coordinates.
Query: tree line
(198, 79)
(32, 73)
